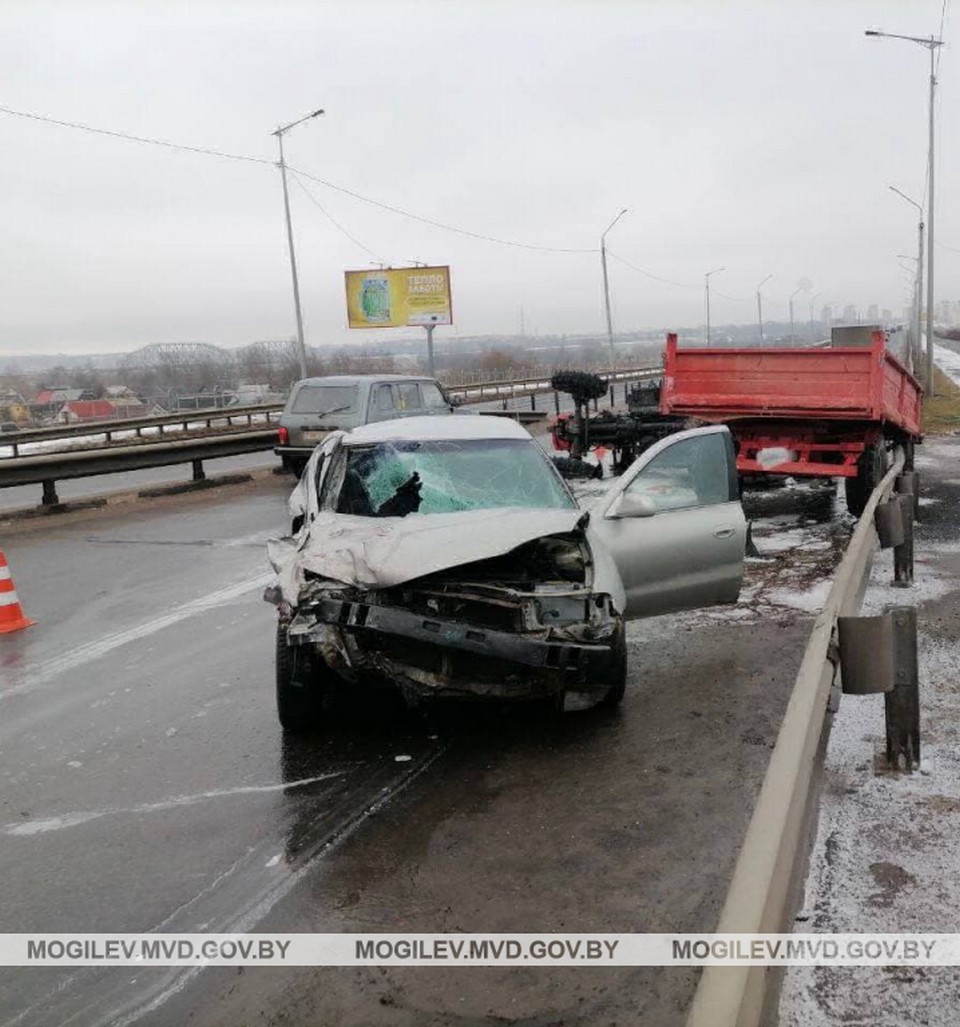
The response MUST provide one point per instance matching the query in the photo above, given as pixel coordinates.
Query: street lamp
(812, 299)
(606, 286)
(932, 44)
(918, 312)
(760, 307)
(301, 347)
(799, 288)
(706, 284)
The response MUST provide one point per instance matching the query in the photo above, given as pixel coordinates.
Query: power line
(336, 224)
(649, 274)
(263, 160)
(438, 224)
(135, 139)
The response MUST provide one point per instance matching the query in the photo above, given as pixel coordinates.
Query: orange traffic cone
(12, 617)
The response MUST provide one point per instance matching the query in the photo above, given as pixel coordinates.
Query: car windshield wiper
(334, 410)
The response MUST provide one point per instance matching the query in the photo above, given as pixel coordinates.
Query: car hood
(379, 552)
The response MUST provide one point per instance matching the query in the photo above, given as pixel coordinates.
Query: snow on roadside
(886, 854)
(948, 361)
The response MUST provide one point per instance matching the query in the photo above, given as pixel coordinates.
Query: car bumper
(304, 451)
(429, 656)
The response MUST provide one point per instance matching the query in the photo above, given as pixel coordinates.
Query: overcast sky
(758, 136)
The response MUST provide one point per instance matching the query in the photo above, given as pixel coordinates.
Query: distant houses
(123, 407)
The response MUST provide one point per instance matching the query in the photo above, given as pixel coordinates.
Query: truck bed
(863, 384)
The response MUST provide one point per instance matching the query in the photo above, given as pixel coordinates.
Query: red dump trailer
(816, 412)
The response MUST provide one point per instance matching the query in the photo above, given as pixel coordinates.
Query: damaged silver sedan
(447, 557)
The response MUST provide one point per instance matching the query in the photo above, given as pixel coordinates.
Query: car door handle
(725, 531)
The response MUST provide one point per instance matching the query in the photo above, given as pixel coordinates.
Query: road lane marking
(50, 669)
(30, 827)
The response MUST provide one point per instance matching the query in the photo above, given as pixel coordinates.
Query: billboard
(395, 297)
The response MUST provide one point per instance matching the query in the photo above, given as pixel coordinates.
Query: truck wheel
(299, 686)
(617, 674)
(871, 468)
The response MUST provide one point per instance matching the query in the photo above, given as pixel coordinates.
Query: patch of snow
(948, 362)
(885, 855)
(810, 599)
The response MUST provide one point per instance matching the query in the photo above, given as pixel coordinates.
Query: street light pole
(760, 307)
(301, 346)
(918, 315)
(812, 299)
(706, 283)
(799, 288)
(932, 44)
(606, 287)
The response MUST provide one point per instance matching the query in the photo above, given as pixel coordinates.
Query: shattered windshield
(393, 479)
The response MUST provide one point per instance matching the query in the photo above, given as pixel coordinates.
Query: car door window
(408, 396)
(383, 400)
(433, 398)
(693, 472)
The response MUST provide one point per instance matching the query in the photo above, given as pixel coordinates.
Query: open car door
(674, 525)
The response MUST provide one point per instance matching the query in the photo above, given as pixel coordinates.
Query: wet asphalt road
(146, 786)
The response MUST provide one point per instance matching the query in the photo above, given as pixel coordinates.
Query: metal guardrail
(157, 451)
(135, 424)
(479, 391)
(774, 850)
(475, 392)
(48, 468)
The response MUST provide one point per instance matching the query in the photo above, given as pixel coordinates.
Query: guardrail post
(613, 401)
(909, 482)
(533, 401)
(888, 520)
(50, 497)
(556, 402)
(879, 654)
(903, 553)
(198, 473)
(902, 704)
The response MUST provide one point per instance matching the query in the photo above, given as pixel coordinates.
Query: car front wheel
(617, 672)
(299, 686)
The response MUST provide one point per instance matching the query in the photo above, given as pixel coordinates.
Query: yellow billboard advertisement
(394, 297)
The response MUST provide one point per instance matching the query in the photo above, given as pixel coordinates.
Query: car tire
(293, 464)
(871, 468)
(617, 673)
(299, 686)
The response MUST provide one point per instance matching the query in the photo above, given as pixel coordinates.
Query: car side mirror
(629, 505)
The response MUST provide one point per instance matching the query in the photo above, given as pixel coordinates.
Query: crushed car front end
(525, 624)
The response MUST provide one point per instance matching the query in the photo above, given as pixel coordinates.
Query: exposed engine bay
(523, 624)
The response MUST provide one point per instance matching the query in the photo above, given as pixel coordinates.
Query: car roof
(457, 426)
(359, 379)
